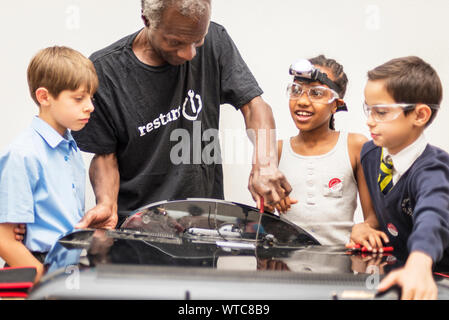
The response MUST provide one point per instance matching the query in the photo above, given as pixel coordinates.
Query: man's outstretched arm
(265, 179)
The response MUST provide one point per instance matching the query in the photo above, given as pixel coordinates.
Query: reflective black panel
(169, 249)
(203, 219)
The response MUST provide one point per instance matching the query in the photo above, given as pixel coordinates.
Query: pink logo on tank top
(335, 184)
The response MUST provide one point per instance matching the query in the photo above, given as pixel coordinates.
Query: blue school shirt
(42, 184)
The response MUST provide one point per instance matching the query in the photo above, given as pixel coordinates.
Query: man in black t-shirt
(154, 129)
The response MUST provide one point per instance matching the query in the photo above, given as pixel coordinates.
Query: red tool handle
(358, 247)
(384, 249)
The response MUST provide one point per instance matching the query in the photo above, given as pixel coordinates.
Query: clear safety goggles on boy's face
(304, 73)
(389, 112)
(317, 94)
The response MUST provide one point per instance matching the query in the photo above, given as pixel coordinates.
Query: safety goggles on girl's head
(304, 72)
(389, 112)
(317, 94)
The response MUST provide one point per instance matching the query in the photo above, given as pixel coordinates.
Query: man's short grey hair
(152, 9)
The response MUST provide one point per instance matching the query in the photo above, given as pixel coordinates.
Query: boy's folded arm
(14, 252)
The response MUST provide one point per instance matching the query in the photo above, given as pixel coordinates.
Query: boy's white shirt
(404, 159)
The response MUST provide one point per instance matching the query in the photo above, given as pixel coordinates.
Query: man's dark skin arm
(105, 179)
(265, 179)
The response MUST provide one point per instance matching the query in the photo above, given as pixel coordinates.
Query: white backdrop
(270, 36)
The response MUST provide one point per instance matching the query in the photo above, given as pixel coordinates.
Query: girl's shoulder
(355, 145)
(279, 148)
(356, 140)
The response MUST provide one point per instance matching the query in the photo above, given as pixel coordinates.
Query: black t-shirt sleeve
(238, 85)
(98, 136)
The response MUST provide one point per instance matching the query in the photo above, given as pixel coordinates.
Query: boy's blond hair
(58, 69)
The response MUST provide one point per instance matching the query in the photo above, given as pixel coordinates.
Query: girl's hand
(285, 204)
(365, 235)
(282, 207)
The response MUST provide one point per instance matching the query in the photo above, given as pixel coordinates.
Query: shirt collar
(50, 135)
(404, 159)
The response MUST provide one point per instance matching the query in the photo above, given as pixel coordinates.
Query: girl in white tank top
(326, 190)
(323, 165)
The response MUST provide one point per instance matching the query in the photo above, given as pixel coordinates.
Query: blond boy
(42, 175)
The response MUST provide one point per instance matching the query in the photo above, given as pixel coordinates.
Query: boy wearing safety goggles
(323, 165)
(408, 179)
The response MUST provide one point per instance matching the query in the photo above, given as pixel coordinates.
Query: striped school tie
(385, 178)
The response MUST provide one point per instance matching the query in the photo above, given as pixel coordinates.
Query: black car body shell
(209, 249)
